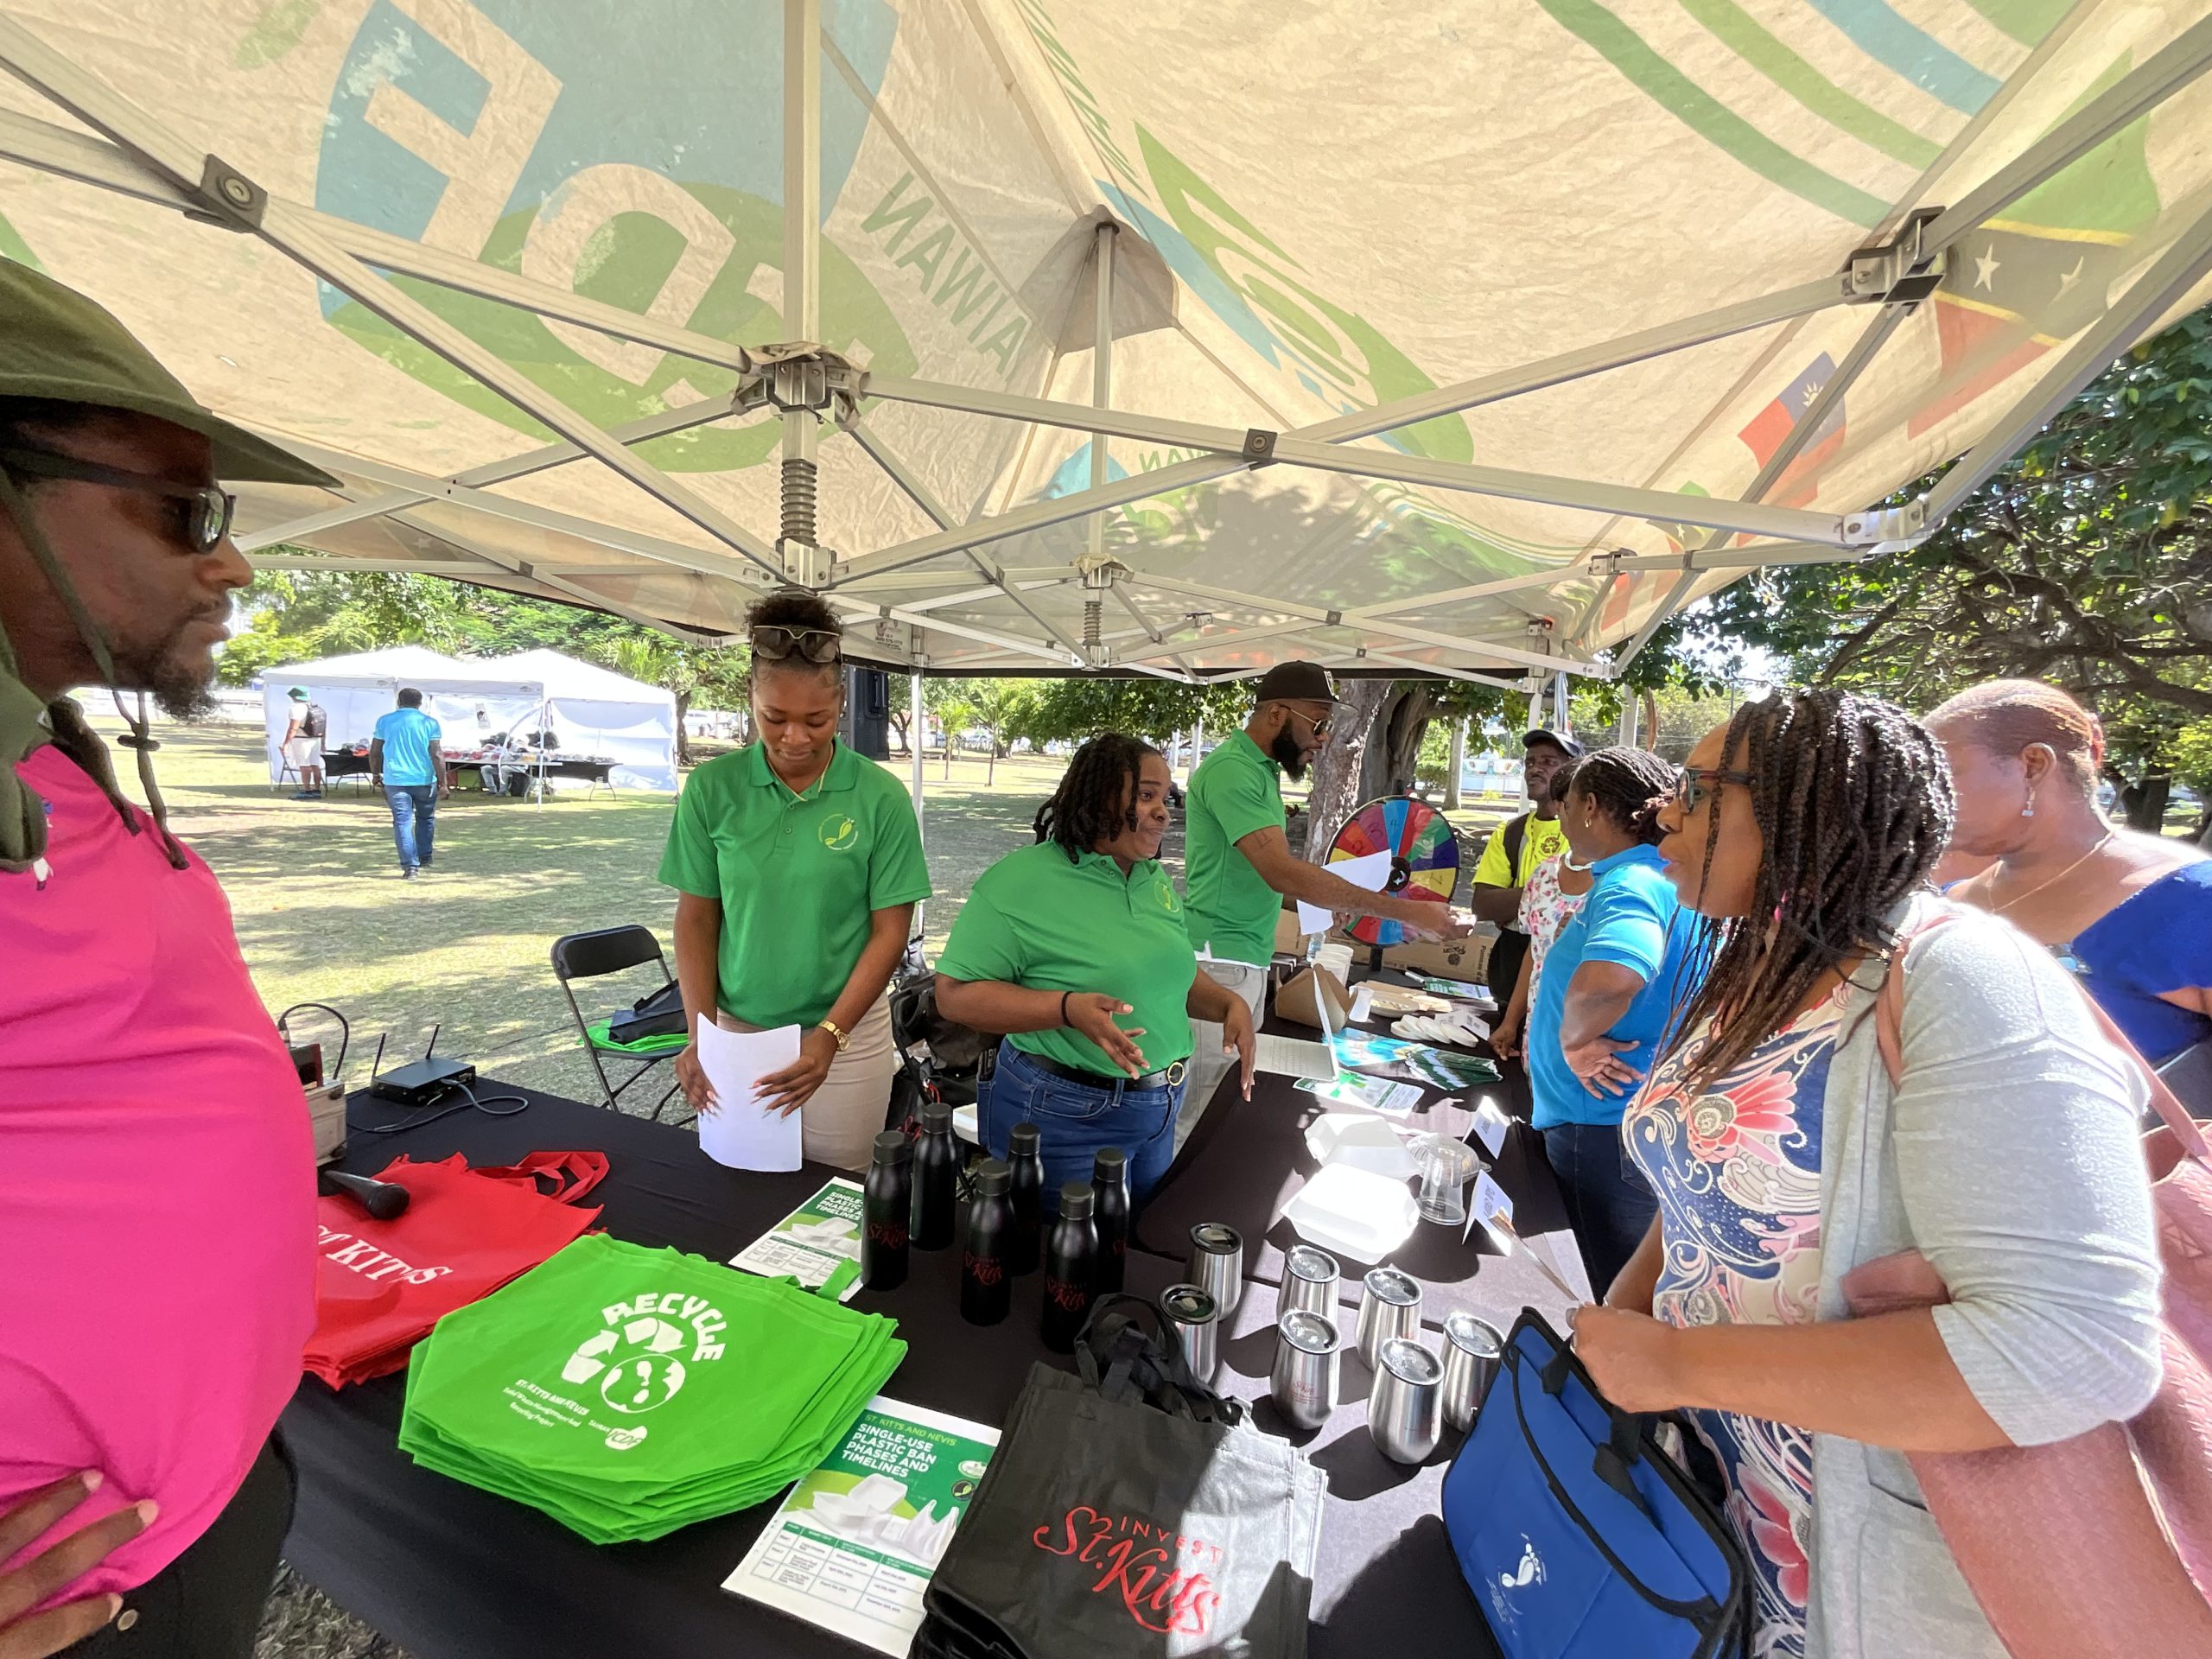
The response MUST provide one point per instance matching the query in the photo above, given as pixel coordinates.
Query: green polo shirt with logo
(1040, 922)
(1236, 789)
(798, 875)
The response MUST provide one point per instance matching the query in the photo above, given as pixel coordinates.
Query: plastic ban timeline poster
(813, 1242)
(852, 1546)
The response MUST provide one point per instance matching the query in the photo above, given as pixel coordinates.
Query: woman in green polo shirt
(797, 866)
(1062, 941)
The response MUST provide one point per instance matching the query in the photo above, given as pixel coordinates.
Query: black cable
(345, 1033)
(521, 1103)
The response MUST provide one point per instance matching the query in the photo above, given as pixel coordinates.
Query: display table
(447, 1571)
(1246, 1160)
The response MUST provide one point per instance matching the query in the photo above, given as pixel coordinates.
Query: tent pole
(802, 273)
(1102, 366)
(2180, 61)
(680, 419)
(872, 445)
(293, 231)
(914, 758)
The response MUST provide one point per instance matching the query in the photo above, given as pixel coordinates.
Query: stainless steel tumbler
(1306, 1347)
(1192, 1311)
(1389, 1306)
(1309, 1280)
(1472, 1351)
(1405, 1412)
(1216, 1264)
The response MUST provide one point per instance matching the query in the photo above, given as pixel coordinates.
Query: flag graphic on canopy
(2034, 278)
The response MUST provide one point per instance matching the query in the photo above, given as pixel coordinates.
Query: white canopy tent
(1157, 337)
(589, 709)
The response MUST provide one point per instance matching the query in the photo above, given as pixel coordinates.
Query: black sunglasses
(1691, 791)
(207, 511)
(773, 643)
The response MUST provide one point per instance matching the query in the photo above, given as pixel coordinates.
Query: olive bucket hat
(57, 347)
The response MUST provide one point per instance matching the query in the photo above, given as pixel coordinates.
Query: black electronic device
(419, 1082)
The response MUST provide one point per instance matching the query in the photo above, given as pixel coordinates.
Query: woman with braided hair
(1784, 1156)
(1058, 945)
(1601, 1003)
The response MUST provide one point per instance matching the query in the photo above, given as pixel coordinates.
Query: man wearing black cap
(1514, 850)
(157, 1242)
(1237, 865)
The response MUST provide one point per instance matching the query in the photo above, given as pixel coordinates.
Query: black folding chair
(614, 950)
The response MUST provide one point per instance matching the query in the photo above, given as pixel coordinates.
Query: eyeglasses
(1320, 727)
(207, 511)
(775, 644)
(1691, 785)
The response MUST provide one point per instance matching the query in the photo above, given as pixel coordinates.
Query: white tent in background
(1149, 337)
(589, 709)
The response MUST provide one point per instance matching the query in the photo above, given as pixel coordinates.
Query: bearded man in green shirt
(1237, 865)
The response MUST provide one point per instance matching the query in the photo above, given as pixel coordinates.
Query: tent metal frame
(140, 156)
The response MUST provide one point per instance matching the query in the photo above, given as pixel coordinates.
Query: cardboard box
(1464, 958)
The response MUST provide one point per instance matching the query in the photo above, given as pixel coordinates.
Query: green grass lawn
(323, 916)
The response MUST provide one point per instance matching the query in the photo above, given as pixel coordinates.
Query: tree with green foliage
(1070, 710)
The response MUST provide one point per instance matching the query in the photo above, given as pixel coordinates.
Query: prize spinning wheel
(1424, 857)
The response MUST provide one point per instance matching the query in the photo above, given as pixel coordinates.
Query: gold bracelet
(831, 1027)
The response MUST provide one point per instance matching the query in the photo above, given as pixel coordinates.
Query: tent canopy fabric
(589, 709)
(1434, 338)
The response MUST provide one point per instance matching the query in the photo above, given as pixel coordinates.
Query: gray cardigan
(2010, 1158)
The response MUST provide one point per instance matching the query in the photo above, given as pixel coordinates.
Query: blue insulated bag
(1579, 1537)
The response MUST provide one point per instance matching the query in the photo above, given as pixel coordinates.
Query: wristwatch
(832, 1027)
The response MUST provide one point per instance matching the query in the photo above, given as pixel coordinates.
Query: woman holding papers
(797, 866)
(1077, 950)
(1785, 1154)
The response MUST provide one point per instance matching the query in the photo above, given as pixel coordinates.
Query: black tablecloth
(444, 1569)
(1248, 1158)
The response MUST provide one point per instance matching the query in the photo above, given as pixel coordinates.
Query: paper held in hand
(739, 1132)
(1369, 871)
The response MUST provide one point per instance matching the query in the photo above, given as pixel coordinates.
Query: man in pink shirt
(157, 1231)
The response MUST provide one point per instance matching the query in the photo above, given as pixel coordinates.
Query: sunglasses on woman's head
(205, 511)
(1694, 785)
(776, 644)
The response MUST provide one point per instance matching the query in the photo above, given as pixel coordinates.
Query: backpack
(313, 722)
(1516, 837)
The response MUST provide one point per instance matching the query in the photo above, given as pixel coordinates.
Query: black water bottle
(1109, 1192)
(1071, 1259)
(1025, 1190)
(985, 1276)
(886, 1207)
(936, 1180)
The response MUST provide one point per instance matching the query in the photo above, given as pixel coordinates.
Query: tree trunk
(1394, 758)
(2144, 803)
(991, 764)
(1651, 721)
(1336, 789)
(683, 729)
(1457, 764)
(899, 725)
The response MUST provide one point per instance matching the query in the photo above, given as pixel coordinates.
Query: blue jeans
(414, 820)
(1074, 1120)
(1608, 1204)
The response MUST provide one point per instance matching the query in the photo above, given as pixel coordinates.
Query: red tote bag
(381, 1285)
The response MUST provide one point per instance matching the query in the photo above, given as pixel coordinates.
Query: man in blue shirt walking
(407, 764)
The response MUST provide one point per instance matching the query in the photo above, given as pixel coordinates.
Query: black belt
(1166, 1077)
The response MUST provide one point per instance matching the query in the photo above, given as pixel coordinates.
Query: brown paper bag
(1298, 999)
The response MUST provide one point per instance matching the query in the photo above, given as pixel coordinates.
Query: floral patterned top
(1737, 1172)
(1544, 911)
